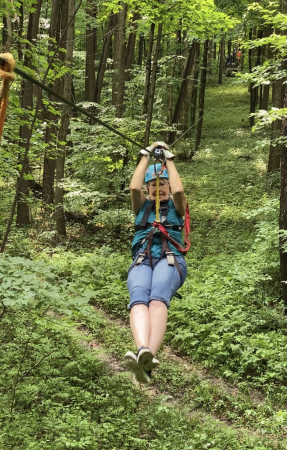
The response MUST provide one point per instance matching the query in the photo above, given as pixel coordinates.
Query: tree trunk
(103, 61)
(65, 119)
(201, 95)
(91, 48)
(274, 152)
(183, 89)
(283, 213)
(214, 50)
(141, 50)
(23, 217)
(265, 97)
(49, 159)
(118, 84)
(221, 61)
(251, 86)
(194, 88)
(152, 86)
(148, 69)
(278, 95)
(130, 53)
(9, 33)
(19, 30)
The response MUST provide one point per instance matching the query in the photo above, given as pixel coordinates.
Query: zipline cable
(71, 104)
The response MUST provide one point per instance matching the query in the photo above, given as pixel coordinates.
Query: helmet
(150, 175)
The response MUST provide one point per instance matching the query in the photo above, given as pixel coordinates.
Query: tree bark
(23, 217)
(91, 48)
(201, 95)
(118, 84)
(141, 50)
(9, 34)
(130, 53)
(65, 119)
(283, 213)
(152, 85)
(278, 95)
(103, 61)
(274, 152)
(221, 61)
(148, 68)
(195, 88)
(49, 158)
(183, 89)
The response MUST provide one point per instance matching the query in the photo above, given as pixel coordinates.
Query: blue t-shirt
(173, 218)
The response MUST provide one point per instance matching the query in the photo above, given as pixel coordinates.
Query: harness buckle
(140, 258)
(170, 258)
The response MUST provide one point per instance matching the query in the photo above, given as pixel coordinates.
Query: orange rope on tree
(7, 74)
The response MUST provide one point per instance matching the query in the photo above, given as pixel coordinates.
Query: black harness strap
(145, 216)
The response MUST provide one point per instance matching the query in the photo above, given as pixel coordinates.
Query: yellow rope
(157, 204)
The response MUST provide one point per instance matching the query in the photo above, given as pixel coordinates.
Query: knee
(157, 305)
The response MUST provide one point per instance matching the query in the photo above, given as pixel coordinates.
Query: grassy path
(186, 386)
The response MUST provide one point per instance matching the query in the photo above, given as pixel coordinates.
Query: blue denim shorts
(160, 283)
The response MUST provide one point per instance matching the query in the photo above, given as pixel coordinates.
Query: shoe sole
(138, 371)
(145, 360)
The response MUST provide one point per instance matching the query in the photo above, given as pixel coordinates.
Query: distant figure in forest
(158, 268)
(238, 56)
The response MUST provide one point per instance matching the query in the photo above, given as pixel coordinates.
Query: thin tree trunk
(141, 50)
(152, 86)
(214, 50)
(201, 95)
(265, 97)
(91, 48)
(278, 95)
(274, 152)
(49, 158)
(23, 217)
(221, 61)
(19, 30)
(130, 53)
(148, 69)
(283, 213)
(8, 42)
(118, 84)
(65, 119)
(103, 61)
(183, 89)
(194, 88)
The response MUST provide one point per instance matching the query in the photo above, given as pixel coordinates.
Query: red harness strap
(186, 233)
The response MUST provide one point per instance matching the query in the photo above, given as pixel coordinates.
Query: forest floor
(211, 390)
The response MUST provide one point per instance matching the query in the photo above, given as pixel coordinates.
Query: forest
(208, 78)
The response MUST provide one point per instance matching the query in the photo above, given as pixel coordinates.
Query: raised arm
(136, 185)
(176, 188)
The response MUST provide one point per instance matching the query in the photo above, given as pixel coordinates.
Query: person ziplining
(158, 269)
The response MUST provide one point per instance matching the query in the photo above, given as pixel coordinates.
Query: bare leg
(140, 325)
(158, 319)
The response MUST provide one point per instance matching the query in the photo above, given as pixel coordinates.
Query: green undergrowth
(56, 394)
(193, 387)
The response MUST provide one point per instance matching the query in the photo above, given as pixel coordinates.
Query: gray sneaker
(145, 359)
(130, 361)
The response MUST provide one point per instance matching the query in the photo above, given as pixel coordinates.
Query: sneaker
(130, 361)
(145, 358)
